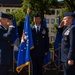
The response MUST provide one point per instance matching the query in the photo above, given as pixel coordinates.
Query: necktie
(37, 29)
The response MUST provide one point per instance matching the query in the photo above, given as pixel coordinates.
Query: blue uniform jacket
(41, 41)
(68, 43)
(5, 45)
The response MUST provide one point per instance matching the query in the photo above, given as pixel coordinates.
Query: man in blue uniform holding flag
(68, 43)
(5, 42)
(41, 45)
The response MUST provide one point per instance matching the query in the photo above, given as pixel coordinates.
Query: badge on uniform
(44, 31)
(67, 32)
(65, 38)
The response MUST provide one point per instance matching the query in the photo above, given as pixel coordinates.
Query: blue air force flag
(25, 46)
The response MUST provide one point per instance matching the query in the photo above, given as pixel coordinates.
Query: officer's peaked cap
(36, 15)
(69, 14)
(4, 15)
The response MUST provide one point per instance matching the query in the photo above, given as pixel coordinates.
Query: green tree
(20, 16)
(40, 6)
(70, 4)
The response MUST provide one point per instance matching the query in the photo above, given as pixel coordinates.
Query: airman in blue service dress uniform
(68, 43)
(41, 45)
(5, 45)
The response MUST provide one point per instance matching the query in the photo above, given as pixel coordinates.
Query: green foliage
(40, 6)
(70, 5)
(53, 28)
(20, 16)
(62, 11)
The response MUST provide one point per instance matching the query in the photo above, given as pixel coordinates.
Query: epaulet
(71, 27)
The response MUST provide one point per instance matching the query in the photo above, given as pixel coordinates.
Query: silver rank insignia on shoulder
(44, 31)
(67, 32)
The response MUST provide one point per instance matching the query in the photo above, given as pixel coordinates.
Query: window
(52, 21)
(13, 10)
(47, 21)
(7, 10)
(57, 12)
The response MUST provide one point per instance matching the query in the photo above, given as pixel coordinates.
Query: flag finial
(28, 10)
(44, 13)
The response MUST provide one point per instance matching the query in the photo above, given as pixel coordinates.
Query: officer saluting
(5, 39)
(41, 45)
(68, 43)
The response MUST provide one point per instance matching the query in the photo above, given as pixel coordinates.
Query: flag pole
(29, 69)
(28, 11)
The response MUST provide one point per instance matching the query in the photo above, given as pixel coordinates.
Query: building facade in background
(51, 20)
(10, 5)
